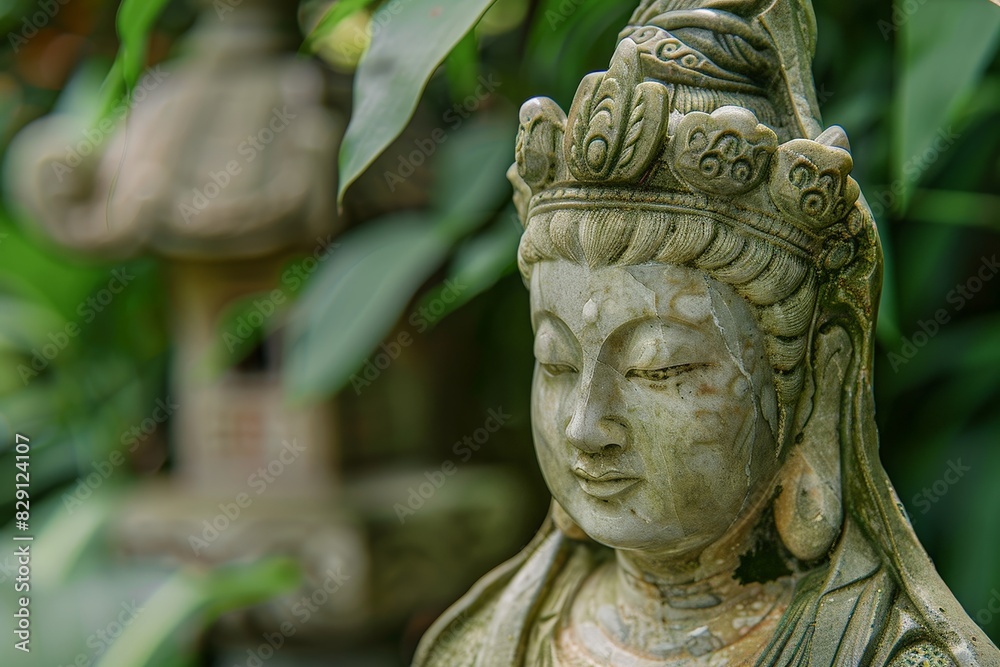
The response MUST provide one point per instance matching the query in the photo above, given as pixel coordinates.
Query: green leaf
(134, 23)
(959, 349)
(336, 13)
(469, 176)
(953, 207)
(945, 46)
(25, 322)
(354, 301)
(205, 596)
(412, 40)
(66, 535)
(479, 263)
(580, 36)
(462, 68)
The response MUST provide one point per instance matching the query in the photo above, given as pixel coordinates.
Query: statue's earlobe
(809, 509)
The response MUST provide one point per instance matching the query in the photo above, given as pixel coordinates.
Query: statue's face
(651, 404)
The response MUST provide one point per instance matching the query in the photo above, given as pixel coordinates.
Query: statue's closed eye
(558, 369)
(661, 374)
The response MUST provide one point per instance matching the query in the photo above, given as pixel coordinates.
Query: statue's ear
(809, 511)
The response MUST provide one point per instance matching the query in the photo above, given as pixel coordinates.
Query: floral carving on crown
(724, 153)
(622, 144)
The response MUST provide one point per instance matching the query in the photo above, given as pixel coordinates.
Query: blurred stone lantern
(225, 169)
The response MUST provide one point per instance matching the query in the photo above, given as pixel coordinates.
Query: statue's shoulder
(458, 643)
(457, 637)
(500, 615)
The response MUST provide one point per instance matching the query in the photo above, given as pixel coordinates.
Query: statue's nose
(596, 423)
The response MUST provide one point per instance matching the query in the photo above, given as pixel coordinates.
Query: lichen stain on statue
(704, 278)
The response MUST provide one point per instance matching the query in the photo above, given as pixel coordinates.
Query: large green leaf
(347, 310)
(462, 67)
(470, 175)
(945, 45)
(478, 264)
(355, 299)
(411, 39)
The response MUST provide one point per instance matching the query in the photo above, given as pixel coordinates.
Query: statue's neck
(676, 589)
(684, 607)
(682, 616)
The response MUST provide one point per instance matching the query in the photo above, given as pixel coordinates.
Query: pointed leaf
(354, 300)
(413, 38)
(480, 262)
(469, 176)
(946, 45)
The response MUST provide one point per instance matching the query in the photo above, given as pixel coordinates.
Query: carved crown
(625, 145)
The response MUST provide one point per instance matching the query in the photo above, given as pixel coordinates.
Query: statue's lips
(607, 484)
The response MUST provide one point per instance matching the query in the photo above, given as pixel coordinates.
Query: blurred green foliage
(917, 91)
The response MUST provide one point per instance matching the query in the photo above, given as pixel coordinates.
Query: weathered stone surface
(704, 276)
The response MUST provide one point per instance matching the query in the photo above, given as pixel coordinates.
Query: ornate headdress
(638, 136)
(624, 146)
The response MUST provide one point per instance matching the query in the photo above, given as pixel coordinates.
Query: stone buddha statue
(704, 277)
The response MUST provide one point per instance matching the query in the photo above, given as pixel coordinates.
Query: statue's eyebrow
(620, 342)
(540, 317)
(668, 320)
